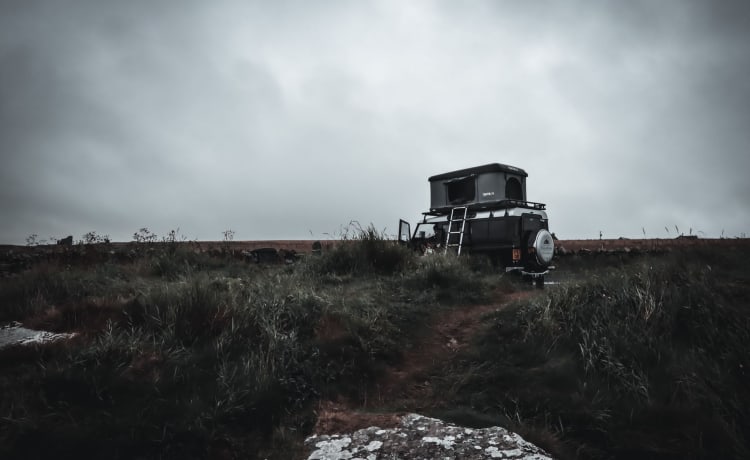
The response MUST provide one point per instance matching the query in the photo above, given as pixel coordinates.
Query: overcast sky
(289, 119)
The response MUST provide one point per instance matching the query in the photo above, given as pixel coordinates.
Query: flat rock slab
(14, 334)
(423, 438)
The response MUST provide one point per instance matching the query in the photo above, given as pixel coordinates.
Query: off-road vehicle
(484, 210)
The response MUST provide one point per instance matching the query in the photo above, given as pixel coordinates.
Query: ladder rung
(456, 216)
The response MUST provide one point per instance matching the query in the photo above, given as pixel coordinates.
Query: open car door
(404, 232)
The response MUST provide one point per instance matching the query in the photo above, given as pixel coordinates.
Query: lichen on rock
(14, 335)
(422, 438)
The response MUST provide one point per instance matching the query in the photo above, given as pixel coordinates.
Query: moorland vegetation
(185, 354)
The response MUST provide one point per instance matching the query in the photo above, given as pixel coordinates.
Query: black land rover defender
(484, 210)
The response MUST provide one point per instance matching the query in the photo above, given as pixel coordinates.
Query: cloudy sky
(289, 119)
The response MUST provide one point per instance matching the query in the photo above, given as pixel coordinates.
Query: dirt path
(406, 387)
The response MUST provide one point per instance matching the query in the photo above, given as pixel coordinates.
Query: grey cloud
(285, 119)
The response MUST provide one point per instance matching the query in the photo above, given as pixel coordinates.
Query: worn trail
(407, 387)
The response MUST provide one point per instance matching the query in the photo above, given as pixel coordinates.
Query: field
(186, 353)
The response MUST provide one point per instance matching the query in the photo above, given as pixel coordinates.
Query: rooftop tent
(478, 187)
(513, 189)
(461, 190)
(489, 168)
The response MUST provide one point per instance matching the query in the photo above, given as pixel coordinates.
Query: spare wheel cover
(544, 247)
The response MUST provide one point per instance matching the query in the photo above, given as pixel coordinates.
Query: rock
(13, 334)
(67, 241)
(262, 255)
(419, 438)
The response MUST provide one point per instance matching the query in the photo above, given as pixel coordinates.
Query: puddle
(13, 334)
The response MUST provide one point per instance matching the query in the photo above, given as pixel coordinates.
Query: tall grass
(450, 279)
(184, 362)
(199, 357)
(49, 285)
(645, 360)
(364, 251)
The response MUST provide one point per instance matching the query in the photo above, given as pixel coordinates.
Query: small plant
(171, 242)
(173, 237)
(226, 246)
(144, 235)
(94, 238)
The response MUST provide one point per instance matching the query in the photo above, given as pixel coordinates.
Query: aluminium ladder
(458, 214)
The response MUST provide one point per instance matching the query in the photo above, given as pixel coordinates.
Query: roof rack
(488, 206)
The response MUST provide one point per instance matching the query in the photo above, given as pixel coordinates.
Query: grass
(644, 360)
(186, 355)
(182, 355)
(364, 252)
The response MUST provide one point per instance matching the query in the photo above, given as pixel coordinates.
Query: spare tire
(544, 247)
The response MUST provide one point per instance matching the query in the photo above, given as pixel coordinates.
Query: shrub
(47, 285)
(186, 361)
(364, 251)
(450, 279)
